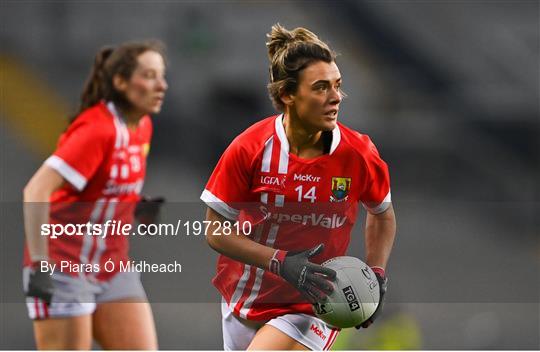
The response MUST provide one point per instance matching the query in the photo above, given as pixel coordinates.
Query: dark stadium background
(448, 90)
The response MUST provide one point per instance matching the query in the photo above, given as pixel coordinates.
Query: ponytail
(95, 87)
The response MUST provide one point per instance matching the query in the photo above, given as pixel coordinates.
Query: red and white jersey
(104, 164)
(304, 202)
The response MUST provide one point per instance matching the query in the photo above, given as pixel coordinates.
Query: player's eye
(149, 74)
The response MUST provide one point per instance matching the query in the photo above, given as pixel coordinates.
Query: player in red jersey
(298, 177)
(95, 176)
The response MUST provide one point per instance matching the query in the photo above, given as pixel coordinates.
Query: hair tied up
(102, 56)
(289, 52)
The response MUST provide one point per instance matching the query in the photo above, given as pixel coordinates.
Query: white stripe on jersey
(100, 240)
(218, 205)
(247, 268)
(264, 198)
(258, 275)
(66, 171)
(88, 239)
(245, 275)
(336, 138)
(267, 155)
(122, 133)
(118, 140)
(381, 208)
(126, 134)
(284, 150)
(280, 200)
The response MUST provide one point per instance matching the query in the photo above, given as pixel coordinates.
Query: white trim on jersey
(267, 154)
(280, 131)
(284, 151)
(122, 133)
(218, 205)
(88, 239)
(272, 234)
(382, 207)
(237, 295)
(119, 136)
(69, 173)
(100, 240)
(264, 198)
(336, 138)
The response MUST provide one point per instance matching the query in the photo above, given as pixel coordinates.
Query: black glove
(383, 285)
(147, 210)
(40, 285)
(312, 280)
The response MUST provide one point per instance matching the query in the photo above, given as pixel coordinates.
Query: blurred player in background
(95, 175)
(299, 177)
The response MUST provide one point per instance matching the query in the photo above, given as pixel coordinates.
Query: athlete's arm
(36, 209)
(379, 237)
(236, 246)
(311, 279)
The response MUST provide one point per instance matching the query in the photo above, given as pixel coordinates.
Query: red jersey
(304, 202)
(104, 164)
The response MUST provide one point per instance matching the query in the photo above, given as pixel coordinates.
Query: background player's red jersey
(104, 164)
(304, 201)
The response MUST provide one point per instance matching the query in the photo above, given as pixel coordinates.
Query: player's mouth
(331, 114)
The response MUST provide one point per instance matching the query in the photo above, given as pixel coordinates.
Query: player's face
(145, 90)
(318, 96)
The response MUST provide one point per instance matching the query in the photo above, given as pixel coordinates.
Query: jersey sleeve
(229, 184)
(80, 152)
(376, 196)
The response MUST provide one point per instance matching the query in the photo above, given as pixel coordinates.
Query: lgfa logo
(273, 181)
(318, 332)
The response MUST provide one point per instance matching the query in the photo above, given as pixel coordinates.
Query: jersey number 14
(310, 194)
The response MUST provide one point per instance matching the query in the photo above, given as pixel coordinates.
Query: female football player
(95, 177)
(298, 178)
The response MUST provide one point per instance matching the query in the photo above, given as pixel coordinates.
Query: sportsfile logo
(351, 298)
(330, 221)
(318, 332)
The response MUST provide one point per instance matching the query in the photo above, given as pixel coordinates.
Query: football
(355, 296)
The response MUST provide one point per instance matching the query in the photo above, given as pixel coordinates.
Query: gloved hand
(312, 280)
(147, 209)
(383, 285)
(40, 285)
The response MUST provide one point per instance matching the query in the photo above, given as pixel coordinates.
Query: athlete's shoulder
(97, 120)
(255, 136)
(357, 142)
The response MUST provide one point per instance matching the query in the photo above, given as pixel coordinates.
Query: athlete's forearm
(36, 213)
(238, 246)
(379, 237)
(36, 196)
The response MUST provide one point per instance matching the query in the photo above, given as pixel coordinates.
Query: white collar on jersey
(280, 130)
(116, 113)
(122, 134)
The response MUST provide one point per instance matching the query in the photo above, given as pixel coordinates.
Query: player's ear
(119, 83)
(287, 99)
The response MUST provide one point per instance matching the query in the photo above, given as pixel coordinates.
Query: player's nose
(335, 96)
